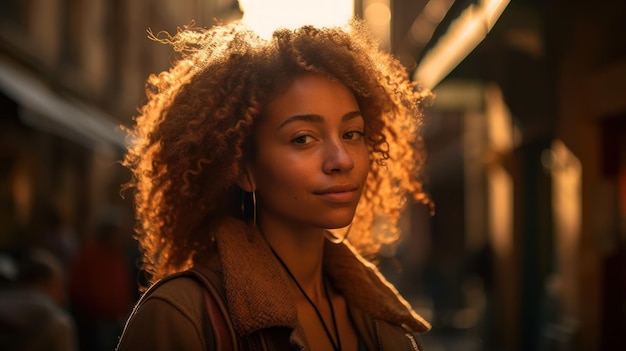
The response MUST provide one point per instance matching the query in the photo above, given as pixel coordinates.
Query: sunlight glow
(265, 16)
(377, 14)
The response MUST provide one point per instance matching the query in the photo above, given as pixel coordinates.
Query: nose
(337, 158)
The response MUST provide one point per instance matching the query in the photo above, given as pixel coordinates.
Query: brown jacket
(258, 298)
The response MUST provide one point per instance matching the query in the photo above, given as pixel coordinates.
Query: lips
(339, 193)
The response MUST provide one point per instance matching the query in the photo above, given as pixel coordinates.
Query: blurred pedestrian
(33, 314)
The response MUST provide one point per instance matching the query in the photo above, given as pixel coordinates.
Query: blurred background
(527, 164)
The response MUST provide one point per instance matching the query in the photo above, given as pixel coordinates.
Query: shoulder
(182, 291)
(180, 294)
(170, 316)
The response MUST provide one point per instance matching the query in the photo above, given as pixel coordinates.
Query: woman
(250, 158)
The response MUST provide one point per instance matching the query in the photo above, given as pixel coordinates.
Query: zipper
(411, 338)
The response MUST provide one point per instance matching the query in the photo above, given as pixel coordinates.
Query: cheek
(363, 162)
(276, 174)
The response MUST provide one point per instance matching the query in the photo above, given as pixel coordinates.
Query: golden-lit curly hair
(192, 136)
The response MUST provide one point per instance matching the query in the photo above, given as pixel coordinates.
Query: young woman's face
(311, 157)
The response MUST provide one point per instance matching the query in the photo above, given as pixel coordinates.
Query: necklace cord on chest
(336, 344)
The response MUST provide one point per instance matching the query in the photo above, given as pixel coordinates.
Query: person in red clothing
(100, 288)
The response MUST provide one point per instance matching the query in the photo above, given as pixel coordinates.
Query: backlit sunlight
(378, 16)
(265, 16)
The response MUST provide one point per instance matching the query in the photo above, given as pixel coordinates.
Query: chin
(338, 226)
(338, 223)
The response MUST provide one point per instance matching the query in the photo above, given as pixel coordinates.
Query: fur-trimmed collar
(257, 288)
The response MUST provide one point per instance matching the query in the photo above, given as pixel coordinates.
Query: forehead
(312, 94)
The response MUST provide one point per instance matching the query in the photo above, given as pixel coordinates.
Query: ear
(246, 180)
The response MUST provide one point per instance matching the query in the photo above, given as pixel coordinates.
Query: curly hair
(191, 138)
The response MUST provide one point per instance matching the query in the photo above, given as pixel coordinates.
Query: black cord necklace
(337, 345)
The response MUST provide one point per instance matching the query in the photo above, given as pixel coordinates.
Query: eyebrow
(317, 118)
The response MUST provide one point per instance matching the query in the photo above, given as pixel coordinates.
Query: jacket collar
(257, 288)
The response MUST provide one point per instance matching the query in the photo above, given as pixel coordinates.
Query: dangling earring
(252, 229)
(253, 200)
(254, 208)
(335, 240)
(248, 212)
(243, 205)
(247, 205)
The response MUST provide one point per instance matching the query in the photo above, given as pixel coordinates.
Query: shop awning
(44, 109)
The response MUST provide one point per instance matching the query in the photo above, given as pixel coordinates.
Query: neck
(302, 252)
(334, 340)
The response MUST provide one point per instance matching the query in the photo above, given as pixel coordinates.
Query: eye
(353, 135)
(301, 139)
